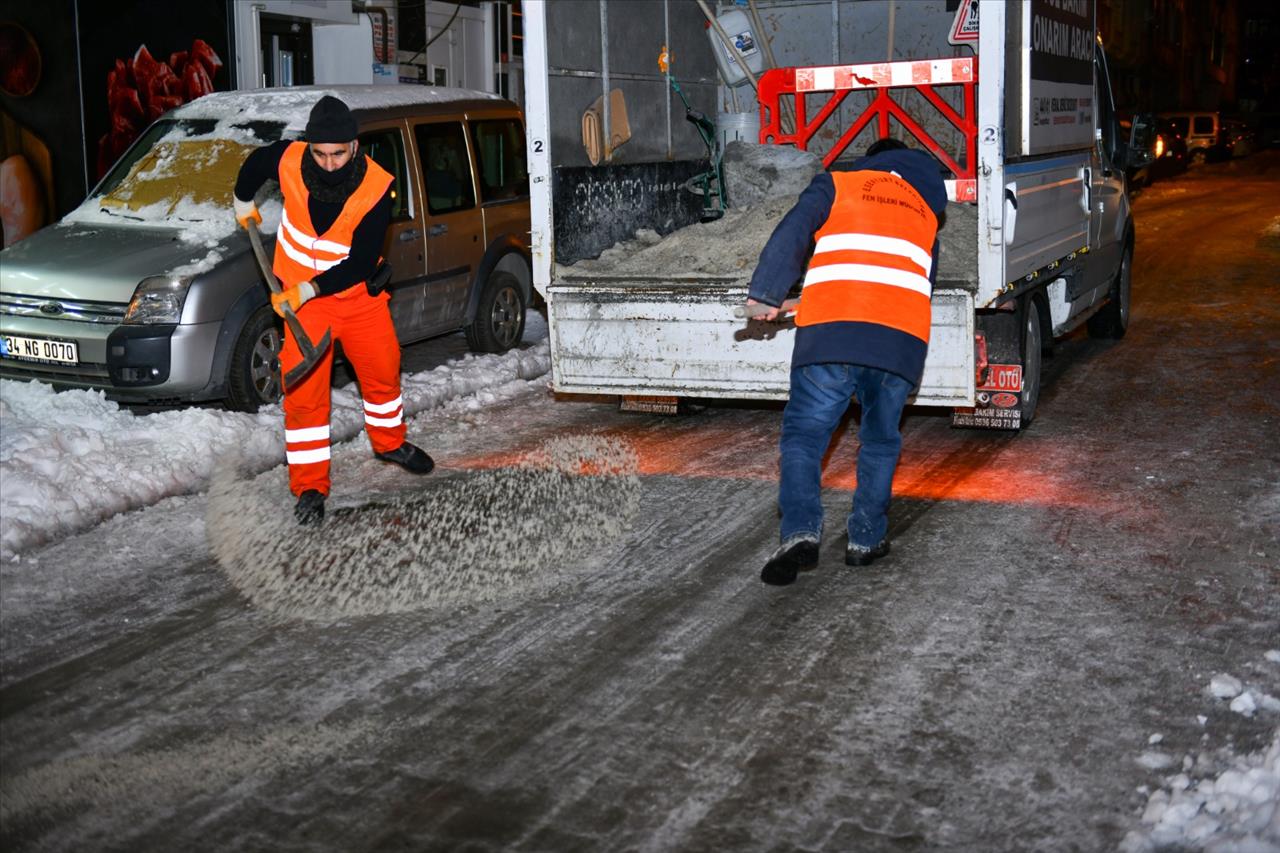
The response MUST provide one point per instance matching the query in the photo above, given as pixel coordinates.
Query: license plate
(39, 349)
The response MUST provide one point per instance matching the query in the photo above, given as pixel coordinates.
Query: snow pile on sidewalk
(70, 460)
(1234, 807)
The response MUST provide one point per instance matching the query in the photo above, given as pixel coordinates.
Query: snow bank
(70, 460)
(1233, 808)
(1237, 810)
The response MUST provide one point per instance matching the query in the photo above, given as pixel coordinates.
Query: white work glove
(245, 211)
(294, 297)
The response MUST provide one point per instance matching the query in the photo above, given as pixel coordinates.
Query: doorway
(286, 52)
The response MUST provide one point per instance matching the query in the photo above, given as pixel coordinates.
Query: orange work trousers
(362, 324)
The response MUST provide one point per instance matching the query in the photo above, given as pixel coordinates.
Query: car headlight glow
(158, 299)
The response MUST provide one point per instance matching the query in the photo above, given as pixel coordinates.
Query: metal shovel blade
(311, 353)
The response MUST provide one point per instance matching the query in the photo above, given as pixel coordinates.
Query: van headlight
(158, 299)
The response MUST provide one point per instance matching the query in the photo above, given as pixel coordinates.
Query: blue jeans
(820, 394)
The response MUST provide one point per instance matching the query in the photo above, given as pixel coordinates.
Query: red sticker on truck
(1003, 377)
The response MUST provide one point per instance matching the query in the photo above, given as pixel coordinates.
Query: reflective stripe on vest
(873, 256)
(301, 253)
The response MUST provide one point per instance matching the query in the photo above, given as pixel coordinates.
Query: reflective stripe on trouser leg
(306, 405)
(369, 343)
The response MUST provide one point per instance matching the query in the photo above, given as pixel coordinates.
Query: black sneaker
(309, 509)
(856, 555)
(410, 458)
(798, 552)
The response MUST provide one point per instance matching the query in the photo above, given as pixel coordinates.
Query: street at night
(1046, 655)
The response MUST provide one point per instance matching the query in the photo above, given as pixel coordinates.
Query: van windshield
(181, 169)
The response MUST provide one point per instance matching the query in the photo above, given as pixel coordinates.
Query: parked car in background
(1168, 154)
(150, 292)
(1200, 131)
(1239, 138)
(1169, 151)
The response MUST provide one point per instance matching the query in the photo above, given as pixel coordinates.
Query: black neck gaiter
(337, 186)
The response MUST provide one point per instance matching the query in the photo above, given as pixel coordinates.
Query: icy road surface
(1073, 646)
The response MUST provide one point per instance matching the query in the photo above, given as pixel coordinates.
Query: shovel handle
(310, 352)
(255, 238)
(261, 254)
(752, 311)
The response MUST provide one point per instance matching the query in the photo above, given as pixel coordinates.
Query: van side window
(446, 169)
(499, 145)
(386, 148)
(1203, 125)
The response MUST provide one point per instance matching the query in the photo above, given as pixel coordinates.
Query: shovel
(752, 311)
(311, 353)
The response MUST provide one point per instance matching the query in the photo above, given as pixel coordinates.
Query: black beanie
(331, 121)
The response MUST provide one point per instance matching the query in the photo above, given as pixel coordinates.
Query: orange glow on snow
(979, 467)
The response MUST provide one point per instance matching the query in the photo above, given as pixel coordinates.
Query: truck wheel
(1032, 353)
(499, 321)
(255, 363)
(1112, 321)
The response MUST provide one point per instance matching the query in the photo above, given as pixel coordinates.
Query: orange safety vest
(301, 253)
(872, 257)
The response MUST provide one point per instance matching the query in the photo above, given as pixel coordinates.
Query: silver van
(1198, 129)
(149, 290)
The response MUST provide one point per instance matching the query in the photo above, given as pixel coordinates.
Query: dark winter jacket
(263, 164)
(786, 255)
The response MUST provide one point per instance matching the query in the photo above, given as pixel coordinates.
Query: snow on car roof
(293, 104)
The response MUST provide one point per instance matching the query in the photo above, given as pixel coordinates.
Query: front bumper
(167, 362)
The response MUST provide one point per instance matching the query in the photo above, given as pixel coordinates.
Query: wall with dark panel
(641, 185)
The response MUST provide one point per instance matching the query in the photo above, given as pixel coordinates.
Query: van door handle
(410, 235)
(437, 229)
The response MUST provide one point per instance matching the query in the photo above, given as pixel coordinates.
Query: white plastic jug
(738, 27)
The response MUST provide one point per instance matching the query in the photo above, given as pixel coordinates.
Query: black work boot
(410, 458)
(309, 510)
(857, 555)
(798, 552)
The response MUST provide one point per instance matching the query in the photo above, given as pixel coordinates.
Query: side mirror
(1142, 137)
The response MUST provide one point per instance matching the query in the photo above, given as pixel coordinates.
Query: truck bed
(654, 315)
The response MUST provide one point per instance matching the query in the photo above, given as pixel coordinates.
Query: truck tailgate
(677, 336)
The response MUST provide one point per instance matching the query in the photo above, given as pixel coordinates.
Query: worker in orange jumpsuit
(337, 206)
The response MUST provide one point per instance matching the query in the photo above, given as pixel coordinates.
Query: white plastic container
(742, 127)
(737, 25)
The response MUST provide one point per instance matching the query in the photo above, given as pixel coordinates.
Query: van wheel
(1112, 321)
(255, 363)
(499, 321)
(1032, 355)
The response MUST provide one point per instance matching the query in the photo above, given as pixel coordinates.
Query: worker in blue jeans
(865, 242)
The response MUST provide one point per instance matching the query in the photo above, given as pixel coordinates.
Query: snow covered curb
(1234, 805)
(1238, 810)
(70, 460)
